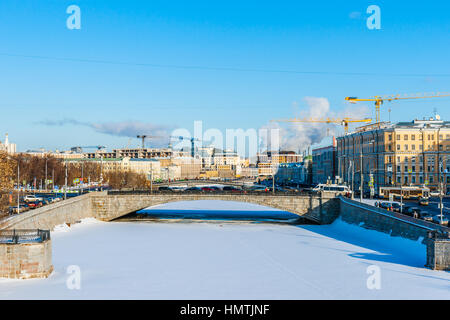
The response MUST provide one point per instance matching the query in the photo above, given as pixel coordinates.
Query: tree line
(34, 170)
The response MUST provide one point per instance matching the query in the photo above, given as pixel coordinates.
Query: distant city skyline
(157, 66)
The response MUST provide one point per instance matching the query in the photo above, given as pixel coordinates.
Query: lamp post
(18, 190)
(46, 160)
(65, 182)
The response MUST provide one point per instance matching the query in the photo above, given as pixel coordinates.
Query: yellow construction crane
(342, 121)
(379, 100)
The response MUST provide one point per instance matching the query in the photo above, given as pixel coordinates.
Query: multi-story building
(7, 146)
(279, 157)
(150, 167)
(413, 153)
(324, 164)
(134, 153)
(294, 173)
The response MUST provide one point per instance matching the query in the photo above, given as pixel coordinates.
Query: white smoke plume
(129, 129)
(300, 136)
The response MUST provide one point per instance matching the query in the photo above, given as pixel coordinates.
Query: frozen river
(221, 260)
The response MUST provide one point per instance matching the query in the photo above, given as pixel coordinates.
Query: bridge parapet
(317, 208)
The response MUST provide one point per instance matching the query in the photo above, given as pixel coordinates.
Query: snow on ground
(128, 260)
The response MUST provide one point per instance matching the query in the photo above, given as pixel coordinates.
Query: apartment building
(415, 153)
(324, 165)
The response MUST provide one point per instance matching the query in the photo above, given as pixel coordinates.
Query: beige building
(413, 153)
(150, 167)
(190, 167)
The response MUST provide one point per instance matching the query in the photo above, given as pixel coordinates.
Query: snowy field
(128, 260)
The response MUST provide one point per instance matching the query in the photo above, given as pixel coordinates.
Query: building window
(413, 137)
(420, 147)
(398, 147)
(398, 137)
(413, 178)
(406, 147)
(405, 137)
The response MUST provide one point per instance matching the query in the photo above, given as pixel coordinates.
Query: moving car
(423, 201)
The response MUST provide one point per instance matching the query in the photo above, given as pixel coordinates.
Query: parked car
(258, 189)
(425, 215)
(193, 189)
(412, 211)
(163, 188)
(15, 210)
(232, 189)
(30, 198)
(385, 205)
(34, 204)
(423, 201)
(396, 207)
(208, 189)
(437, 219)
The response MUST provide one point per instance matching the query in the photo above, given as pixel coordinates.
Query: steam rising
(300, 136)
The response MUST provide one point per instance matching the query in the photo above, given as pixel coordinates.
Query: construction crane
(79, 149)
(342, 121)
(143, 137)
(192, 140)
(379, 100)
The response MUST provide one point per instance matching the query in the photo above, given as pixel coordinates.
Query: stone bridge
(106, 207)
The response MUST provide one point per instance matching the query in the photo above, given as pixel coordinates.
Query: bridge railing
(216, 192)
(24, 236)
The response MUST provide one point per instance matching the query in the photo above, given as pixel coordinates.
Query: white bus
(407, 192)
(336, 188)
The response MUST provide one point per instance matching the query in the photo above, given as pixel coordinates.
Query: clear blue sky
(145, 38)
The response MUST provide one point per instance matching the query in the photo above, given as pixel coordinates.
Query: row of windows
(429, 137)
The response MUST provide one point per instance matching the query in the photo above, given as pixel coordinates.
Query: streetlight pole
(18, 189)
(46, 160)
(361, 188)
(65, 182)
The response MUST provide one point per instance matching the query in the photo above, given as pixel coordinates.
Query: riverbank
(129, 260)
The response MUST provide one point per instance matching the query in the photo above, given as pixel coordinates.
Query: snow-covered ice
(129, 260)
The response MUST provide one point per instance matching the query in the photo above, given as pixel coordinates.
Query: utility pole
(46, 160)
(151, 180)
(361, 188)
(18, 189)
(353, 179)
(273, 183)
(65, 183)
